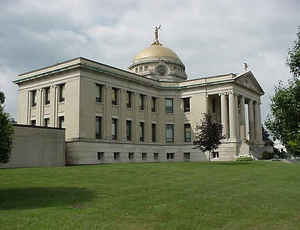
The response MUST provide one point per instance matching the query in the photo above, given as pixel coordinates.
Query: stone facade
(115, 115)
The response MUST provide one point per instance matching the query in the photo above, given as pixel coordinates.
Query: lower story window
(144, 156)
(100, 156)
(33, 122)
(155, 156)
(131, 156)
(170, 156)
(187, 156)
(215, 154)
(116, 156)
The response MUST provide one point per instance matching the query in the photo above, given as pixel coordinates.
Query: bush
(267, 155)
(244, 159)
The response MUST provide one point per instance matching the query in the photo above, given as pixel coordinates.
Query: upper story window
(61, 122)
(142, 101)
(47, 96)
(169, 105)
(169, 133)
(186, 104)
(61, 92)
(187, 133)
(99, 92)
(128, 99)
(128, 130)
(153, 104)
(114, 96)
(153, 132)
(114, 129)
(33, 98)
(142, 131)
(98, 127)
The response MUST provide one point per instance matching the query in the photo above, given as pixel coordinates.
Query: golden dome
(156, 51)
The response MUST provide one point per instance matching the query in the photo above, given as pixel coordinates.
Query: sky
(210, 37)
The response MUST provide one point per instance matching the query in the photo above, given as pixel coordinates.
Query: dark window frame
(128, 130)
(186, 104)
(99, 124)
(156, 156)
(99, 96)
(116, 95)
(142, 131)
(33, 98)
(46, 121)
(153, 106)
(153, 128)
(170, 139)
(115, 135)
(47, 95)
(187, 156)
(142, 100)
(170, 156)
(131, 156)
(186, 138)
(144, 156)
(129, 96)
(100, 156)
(169, 109)
(61, 89)
(61, 119)
(116, 156)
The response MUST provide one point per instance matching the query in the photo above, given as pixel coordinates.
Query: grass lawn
(235, 196)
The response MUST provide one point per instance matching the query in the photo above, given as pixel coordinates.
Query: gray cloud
(211, 37)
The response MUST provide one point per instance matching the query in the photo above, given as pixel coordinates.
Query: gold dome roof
(156, 51)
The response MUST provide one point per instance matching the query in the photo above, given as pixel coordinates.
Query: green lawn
(235, 196)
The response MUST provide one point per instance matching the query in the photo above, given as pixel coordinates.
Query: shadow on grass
(42, 197)
(236, 163)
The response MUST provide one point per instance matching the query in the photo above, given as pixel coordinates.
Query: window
(128, 99)
(33, 122)
(131, 156)
(169, 105)
(142, 102)
(187, 133)
(33, 98)
(186, 104)
(144, 156)
(61, 122)
(153, 104)
(215, 154)
(47, 96)
(100, 156)
(169, 133)
(128, 130)
(136, 70)
(61, 89)
(98, 127)
(114, 128)
(142, 131)
(46, 122)
(186, 156)
(155, 156)
(140, 68)
(114, 96)
(145, 68)
(214, 105)
(116, 156)
(99, 93)
(153, 132)
(170, 156)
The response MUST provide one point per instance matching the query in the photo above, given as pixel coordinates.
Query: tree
(6, 131)
(293, 59)
(284, 120)
(208, 134)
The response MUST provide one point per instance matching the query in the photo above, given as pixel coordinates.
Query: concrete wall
(37, 147)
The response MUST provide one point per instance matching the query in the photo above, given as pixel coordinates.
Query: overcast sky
(211, 37)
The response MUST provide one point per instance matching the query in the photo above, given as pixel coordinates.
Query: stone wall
(37, 147)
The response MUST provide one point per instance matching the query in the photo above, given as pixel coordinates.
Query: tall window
(153, 132)
(142, 131)
(155, 156)
(61, 122)
(61, 89)
(169, 133)
(187, 133)
(128, 130)
(169, 105)
(114, 129)
(170, 156)
(99, 93)
(100, 156)
(46, 122)
(144, 156)
(128, 99)
(33, 98)
(187, 156)
(98, 127)
(142, 101)
(131, 156)
(186, 104)
(116, 156)
(115, 96)
(47, 96)
(153, 104)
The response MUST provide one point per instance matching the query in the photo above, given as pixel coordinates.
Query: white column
(237, 117)
(107, 113)
(232, 116)
(224, 115)
(251, 120)
(258, 123)
(29, 108)
(54, 104)
(242, 119)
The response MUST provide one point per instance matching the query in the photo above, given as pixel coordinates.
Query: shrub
(244, 159)
(267, 155)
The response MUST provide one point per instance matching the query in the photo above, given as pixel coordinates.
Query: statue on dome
(156, 41)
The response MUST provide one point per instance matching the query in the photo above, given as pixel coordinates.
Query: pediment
(247, 80)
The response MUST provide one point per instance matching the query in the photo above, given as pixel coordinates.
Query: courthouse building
(146, 113)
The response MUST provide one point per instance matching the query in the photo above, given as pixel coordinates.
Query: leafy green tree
(208, 134)
(293, 60)
(284, 120)
(6, 131)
